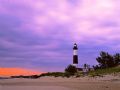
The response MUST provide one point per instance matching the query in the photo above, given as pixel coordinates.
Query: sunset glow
(16, 71)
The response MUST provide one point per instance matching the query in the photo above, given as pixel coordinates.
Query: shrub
(71, 70)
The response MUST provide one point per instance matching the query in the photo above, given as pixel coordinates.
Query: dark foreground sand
(51, 83)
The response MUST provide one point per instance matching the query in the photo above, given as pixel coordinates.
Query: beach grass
(101, 72)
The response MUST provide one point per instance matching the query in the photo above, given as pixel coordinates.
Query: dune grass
(55, 74)
(101, 72)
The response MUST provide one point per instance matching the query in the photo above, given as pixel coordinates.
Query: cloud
(42, 32)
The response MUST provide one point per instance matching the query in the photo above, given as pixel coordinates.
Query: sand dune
(51, 83)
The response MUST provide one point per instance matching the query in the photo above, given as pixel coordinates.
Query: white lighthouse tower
(75, 55)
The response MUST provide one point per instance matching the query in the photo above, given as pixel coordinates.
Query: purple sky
(39, 34)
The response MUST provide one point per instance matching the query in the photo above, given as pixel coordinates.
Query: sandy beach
(59, 83)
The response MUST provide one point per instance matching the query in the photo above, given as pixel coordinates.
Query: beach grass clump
(101, 72)
(79, 74)
(55, 74)
(95, 74)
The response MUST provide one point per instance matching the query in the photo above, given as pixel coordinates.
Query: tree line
(106, 60)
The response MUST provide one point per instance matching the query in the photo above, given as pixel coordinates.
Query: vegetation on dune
(55, 74)
(21, 76)
(101, 72)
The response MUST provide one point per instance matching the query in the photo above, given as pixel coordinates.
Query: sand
(51, 83)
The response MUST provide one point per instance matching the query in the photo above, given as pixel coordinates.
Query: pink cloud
(79, 20)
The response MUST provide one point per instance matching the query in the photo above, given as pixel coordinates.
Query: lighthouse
(75, 55)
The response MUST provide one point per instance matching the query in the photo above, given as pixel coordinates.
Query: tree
(96, 67)
(71, 70)
(85, 65)
(105, 60)
(116, 59)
